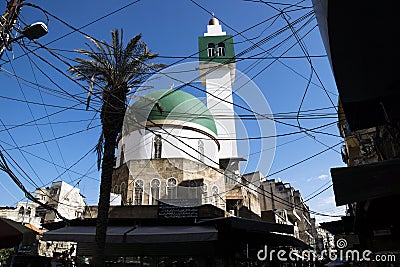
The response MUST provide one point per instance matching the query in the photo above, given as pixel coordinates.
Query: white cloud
(323, 176)
(329, 200)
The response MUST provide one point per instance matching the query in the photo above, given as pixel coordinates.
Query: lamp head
(35, 30)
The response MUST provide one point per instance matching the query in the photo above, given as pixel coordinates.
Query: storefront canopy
(361, 42)
(135, 234)
(366, 182)
(13, 233)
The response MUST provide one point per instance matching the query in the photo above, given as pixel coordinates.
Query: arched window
(211, 50)
(154, 191)
(21, 211)
(204, 193)
(221, 49)
(200, 149)
(28, 211)
(122, 156)
(122, 191)
(157, 146)
(116, 189)
(138, 192)
(172, 191)
(215, 195)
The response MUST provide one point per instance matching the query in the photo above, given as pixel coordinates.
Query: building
(24, 213)
(194, 236)
(68, 201)
(279, 202)
(173, 147)
(177, 172)
(369, 119)
(65, 198)
(324, 240)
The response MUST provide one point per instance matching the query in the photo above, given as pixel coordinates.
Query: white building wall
(140, 145)
(218, 86)
(64, 197)
(24, 212)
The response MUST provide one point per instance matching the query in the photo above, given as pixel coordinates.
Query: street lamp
(33, 31)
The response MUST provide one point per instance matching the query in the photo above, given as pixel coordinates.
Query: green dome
(173, 105)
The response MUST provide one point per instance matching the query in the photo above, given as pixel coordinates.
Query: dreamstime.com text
(331, 254)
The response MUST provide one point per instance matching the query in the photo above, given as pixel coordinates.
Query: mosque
(175, 148)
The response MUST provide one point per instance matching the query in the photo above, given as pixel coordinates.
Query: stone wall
(163, 169)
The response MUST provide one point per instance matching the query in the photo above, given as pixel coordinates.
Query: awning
(132, 234)
(274, 234)
(249, 225)
(85, 234)
(365, 182)
(13, 233)
(342, 226)
(368, 82)
(166, 234)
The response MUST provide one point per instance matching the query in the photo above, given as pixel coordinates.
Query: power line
(4, 167)
(57, 138)
(318, 193)
(72, 27)
(37, 127)
(218, 170)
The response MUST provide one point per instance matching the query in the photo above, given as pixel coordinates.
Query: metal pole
(7, 22)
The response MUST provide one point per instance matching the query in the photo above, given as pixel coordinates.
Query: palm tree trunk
(104, 199)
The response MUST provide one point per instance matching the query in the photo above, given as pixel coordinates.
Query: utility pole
(7, 22)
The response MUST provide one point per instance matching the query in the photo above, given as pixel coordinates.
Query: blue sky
(170, 28)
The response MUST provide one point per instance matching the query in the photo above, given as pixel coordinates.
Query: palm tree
(112, 70)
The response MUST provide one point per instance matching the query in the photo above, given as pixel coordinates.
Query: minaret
(217, 70)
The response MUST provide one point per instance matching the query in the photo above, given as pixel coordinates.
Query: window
(122, 156)
(157, 146)
(138, 192)
(221, 49)
(215, 196)
(171, 188)
(54, 191)
(201, 150)
(21, 211)
(116, 189)
(204, 193)
(154, 191)
(211, 50)
(28, 211)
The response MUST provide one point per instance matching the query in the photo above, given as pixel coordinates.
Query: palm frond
(98, 149)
